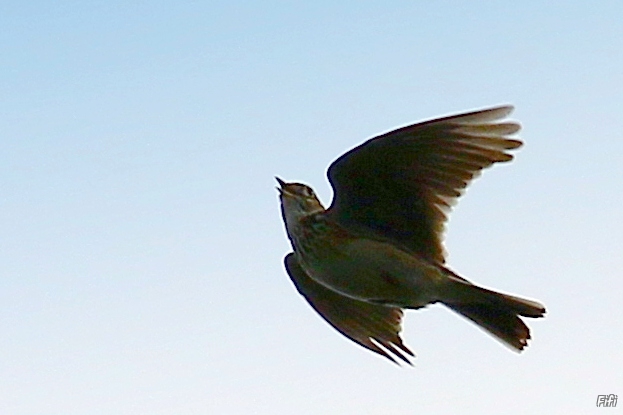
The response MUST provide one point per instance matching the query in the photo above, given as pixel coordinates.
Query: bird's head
(297, 201)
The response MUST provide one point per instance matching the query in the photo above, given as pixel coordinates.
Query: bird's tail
(495, 312)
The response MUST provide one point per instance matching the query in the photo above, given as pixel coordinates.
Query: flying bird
(377, 249)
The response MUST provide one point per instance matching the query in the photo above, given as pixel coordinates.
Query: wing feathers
(489, 130)
(402, 183)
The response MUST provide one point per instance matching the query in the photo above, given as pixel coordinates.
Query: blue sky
(141, 258)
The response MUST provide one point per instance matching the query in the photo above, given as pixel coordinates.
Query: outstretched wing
(402, 184)
(369, 325)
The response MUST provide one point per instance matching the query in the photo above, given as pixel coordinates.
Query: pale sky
(141, 252)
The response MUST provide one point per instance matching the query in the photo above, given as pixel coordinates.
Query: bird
(377, 249)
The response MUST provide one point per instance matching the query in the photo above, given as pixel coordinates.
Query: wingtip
(485, 115)
(399, 350)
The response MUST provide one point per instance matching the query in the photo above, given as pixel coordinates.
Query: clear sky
(141, 251)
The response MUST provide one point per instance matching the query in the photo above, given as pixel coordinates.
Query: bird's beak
(281, 184)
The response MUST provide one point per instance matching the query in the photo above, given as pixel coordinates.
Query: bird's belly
(376, 272)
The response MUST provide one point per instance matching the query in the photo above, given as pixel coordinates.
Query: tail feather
(495, 312)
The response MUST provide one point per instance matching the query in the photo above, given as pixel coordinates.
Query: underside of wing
(401, 184)
(374, 327)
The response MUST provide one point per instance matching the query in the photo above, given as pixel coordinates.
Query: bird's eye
(309, 192)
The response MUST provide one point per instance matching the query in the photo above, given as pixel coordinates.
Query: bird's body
(377, 249)
(386, 274)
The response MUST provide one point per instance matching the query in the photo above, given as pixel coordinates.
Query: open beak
(281, 184)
